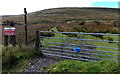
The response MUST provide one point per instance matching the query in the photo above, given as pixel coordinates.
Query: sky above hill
(15, 7)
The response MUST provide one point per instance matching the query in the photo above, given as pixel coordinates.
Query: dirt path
(35, 65)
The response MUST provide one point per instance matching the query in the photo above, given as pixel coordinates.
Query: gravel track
(36, 64)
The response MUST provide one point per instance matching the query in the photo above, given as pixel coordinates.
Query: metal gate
(92, 46)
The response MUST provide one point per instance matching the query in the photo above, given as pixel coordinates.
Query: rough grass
(11, 56)
(89, 28)
(79, 66)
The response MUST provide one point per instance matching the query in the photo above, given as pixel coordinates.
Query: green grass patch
(60, 35)
(79, 66)
(104, 44)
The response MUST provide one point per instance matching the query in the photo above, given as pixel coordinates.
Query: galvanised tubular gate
(62, 45)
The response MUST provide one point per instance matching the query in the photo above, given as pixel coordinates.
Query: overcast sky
(15, 7)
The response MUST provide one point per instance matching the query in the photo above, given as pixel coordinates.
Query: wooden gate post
(38, 44)
(37, 40)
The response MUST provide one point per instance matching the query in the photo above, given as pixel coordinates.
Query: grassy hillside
(62, 18)
(60, 14)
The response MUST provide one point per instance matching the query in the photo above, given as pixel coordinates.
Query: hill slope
(60, 14)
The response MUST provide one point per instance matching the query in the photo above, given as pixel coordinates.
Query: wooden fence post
(5, 40)
(14, 40)
(25, 19)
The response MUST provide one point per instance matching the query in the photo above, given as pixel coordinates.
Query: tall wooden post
(25, 21)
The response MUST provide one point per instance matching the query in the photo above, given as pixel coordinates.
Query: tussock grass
(11, 56)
